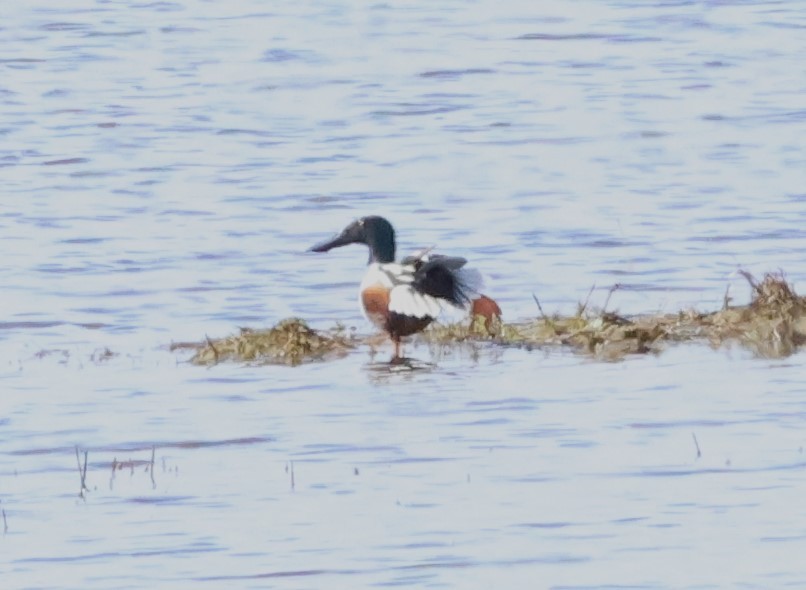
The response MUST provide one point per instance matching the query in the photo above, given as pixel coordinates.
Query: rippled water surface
(164, 168)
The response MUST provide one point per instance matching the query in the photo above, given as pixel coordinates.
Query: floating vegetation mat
(773, 325)
(290, 342)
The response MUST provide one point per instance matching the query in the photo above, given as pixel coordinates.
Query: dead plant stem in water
(82, 472)
(151, 467)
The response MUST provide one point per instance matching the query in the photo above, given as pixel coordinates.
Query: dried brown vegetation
(773, 325)
(290, 342)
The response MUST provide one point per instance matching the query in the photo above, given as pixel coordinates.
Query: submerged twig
(696, 445)
(151, 467)
(112, 477)
(82, 472)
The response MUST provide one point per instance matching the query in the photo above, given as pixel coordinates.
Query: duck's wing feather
(445, 278)
(408, 301)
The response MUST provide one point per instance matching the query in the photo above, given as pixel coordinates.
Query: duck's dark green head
(374, 231)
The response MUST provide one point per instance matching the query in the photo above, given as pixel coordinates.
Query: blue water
(166, 165)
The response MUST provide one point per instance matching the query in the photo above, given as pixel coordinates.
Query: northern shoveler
(402, 298)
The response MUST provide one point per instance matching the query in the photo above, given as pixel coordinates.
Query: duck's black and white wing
(448, 279)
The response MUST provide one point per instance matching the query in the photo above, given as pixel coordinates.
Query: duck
(403, 298)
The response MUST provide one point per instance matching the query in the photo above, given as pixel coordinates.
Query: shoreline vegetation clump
(772, 325)
(289, 342)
